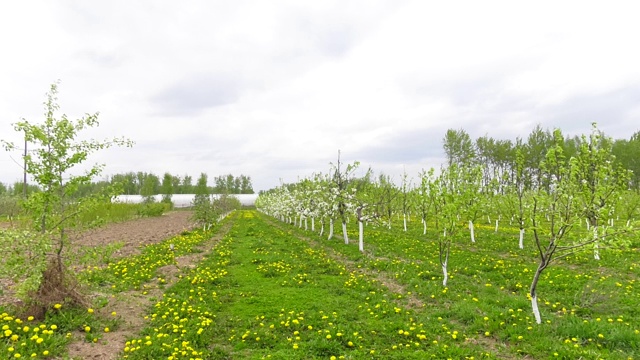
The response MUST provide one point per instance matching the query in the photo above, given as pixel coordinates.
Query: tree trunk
(496, 225)
(596, 246)
(330, 229)
(361, 236)
(521, 242)
(532, 292)
(404, 220)
(424, 227)
(534, 307)
(473, 237)
(344, 233)
(445, 274)
(313, 224)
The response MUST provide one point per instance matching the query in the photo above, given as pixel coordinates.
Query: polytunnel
(185, 200)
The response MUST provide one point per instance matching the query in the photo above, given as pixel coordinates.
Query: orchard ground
(127, 239)
(271, 289)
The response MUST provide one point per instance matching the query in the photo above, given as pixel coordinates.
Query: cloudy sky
(272, 89)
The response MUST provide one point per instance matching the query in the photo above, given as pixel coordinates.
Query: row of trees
(142, 183)
(497, 157)
(146, 184)
(566, 192)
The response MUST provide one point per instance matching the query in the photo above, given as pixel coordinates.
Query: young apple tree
(52, 163)
(343, 193)
(584, 186)
(426, 198)
(447, 201)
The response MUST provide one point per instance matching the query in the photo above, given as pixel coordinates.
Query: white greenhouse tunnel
(186, 200)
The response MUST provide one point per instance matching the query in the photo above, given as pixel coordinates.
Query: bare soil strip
(132, 306)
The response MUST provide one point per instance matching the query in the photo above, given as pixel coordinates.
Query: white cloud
(274, 89)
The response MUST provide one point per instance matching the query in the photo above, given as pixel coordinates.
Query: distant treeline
(497, 157)
(145, 184)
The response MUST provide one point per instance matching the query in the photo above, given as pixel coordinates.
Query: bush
(153, 209)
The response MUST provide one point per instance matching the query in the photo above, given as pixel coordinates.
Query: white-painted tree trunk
(306, 224)
(488, 220)
(321, 228)
(444, 274)
(313, 224)
(389, 224)
(360, 236)
(473, 237)
(588, 225)
(424, 227)
(496, 225)
(445, 232)
(404, 220)
(536, 311)
(330, 229)
(628, 222)
(611, 222)
(596, 246)
(521, 242)
(344, 233)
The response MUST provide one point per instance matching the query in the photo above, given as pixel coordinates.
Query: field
(253, 287)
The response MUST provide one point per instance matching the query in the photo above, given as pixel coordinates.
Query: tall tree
(150, 184)
(458, 147)
(187, 185)
(166, 189)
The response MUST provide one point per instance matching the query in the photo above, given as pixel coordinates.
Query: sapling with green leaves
(405, 199)
(56, 152)
(629, 206)
(387, 193)
(470, 194)
(556, 213)
(600, 182)
(446, 206)
(203, 211)
(426, 197)
(515, 199)
(342, 191)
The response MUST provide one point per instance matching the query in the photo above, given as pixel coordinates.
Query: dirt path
(132, 234)
(137, 233)
(131, 306)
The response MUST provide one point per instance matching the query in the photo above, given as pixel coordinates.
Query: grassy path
(265, 294)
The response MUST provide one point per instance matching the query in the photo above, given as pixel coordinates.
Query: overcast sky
(272, 89)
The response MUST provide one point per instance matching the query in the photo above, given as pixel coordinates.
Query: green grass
(271, 290)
